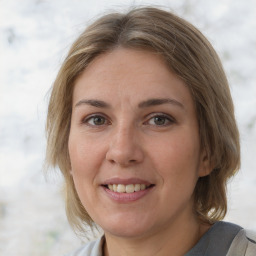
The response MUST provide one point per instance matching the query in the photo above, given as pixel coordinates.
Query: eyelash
(91, 117)
(166, 118)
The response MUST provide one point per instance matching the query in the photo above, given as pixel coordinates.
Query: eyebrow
(143, 104)
(155, 102)
(94, 103)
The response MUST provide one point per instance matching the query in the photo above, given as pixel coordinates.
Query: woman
(141, 124)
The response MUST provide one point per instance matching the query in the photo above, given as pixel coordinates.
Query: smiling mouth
(130, 188)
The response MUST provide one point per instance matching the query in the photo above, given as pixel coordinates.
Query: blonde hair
(191, 57)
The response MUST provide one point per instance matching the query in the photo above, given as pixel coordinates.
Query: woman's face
(134, 144)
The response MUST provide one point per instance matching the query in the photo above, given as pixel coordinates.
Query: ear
(205, 165)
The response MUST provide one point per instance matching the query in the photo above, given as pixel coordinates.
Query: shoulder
(93, 248)
(244, 243)
(231, 239)
(221, 234)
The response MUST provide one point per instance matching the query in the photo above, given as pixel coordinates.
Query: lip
(126, 197)
(126, 181)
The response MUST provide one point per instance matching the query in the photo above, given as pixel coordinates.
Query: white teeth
(137, 187)
(131, 188)
(142, 186)
(120, 188)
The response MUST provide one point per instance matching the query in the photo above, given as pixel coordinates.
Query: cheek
(86, 156)
(82, 169)
(79, 153)
(177, 157)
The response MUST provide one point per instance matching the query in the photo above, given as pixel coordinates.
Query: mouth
(129, 188)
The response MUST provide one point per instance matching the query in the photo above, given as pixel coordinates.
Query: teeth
(137, 187)
(142, 186)
(120, 188)
(131, 188)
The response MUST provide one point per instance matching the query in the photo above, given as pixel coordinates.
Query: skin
(133, 138)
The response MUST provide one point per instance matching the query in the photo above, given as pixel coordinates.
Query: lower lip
(127, 197)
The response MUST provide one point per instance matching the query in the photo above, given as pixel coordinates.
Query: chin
(126, 233)
(126, 228)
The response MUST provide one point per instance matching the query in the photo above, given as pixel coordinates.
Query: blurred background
(35, 36)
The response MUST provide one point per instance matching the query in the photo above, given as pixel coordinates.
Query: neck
(176, 239)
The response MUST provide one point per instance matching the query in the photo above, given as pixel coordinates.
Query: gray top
(222, 239)
(216, 241)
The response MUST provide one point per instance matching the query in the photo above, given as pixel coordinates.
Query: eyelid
(88, 117)
(163, 115)
(170, 118)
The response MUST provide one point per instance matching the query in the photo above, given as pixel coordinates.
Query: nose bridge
(125, 131)
(124, 146)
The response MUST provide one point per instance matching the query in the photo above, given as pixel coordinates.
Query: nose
(125, 148)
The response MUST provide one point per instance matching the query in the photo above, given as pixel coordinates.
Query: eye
(96, 120)
(160, 120)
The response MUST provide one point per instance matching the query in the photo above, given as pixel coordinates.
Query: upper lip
(126, 181)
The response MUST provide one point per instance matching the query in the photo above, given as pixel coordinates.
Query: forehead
(132, 75)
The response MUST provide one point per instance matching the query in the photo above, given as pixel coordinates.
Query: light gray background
(34, 38)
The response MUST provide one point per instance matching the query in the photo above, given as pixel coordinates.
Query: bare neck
(176, 239)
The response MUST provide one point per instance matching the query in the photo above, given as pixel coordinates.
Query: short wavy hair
(192, 58)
